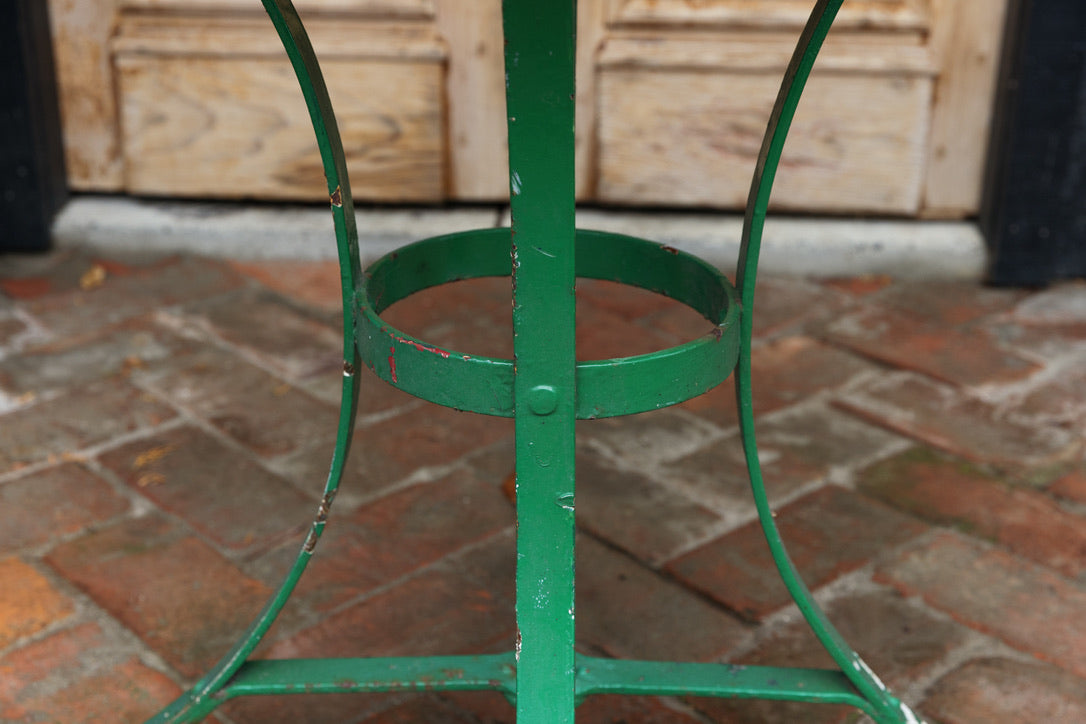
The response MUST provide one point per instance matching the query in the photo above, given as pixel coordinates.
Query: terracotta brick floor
(167, 422)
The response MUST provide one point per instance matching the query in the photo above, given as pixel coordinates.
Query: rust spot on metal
(670, 249)
(423, 348)
(337, 198)
(325, 507)
(718, 333)
(311, 540)
(392, 362)
(348, 369)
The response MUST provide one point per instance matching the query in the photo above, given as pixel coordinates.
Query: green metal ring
(605, 388)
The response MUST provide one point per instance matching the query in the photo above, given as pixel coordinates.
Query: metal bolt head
(543, 399)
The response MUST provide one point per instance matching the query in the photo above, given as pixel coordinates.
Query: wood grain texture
(768, 14)
(475, 92)
(236, 127)
(88, 108)
(691, 138)
(401, 9)
(966, 40)
(591, 32)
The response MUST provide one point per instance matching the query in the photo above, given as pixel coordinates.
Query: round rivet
(543, 400)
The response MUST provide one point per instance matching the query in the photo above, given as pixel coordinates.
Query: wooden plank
(237, 127)
(871, 55)
(89, 114)
(399, 9)
(966, 39)
(475, 91)
(591, 32)
(238, 37)
(889, 15)
(691, 138)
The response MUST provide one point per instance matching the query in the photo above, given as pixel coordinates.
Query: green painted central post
(539, 62)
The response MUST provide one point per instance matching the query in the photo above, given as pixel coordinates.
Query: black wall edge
(1033, 215)
(33, 185)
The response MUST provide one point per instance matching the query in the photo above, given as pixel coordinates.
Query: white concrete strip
(792, 245)
(247, 231)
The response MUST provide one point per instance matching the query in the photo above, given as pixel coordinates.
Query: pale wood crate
(683, 125)
(213, 109)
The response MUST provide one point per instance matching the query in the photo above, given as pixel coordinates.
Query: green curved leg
(886, 707)
(205, 695)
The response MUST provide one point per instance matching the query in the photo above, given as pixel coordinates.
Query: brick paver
(1006, 690)
(828, 533)
(947, 418)
(953, 492)
(226, 496)
(49, 428)
(29, 603)
(1029, 607)
(79, 675)
(957, 355)
(899, 640)
(182, 598)
(52, 503)
(168, 426)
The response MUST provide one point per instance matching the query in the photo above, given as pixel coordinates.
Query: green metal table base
(544, 389)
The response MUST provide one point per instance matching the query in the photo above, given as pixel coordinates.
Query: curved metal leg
(885, 706)
(205, 695)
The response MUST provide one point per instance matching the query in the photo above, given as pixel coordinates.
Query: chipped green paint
(544, 390)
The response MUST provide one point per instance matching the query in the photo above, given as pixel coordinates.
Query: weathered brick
(71, 363)
(422, 708)
(612, 709)
(795, 306)
(386, 451)
(899, 641)
(627, 610)
(629, 302)
(1059, 401)
(223, 494)
(79, 675)
(952, 492)
(950, 420)
(315, 283)
(1025, 605)
(261, 411)
(605, 334)
(450, 608)
(54, 502)
(309, 708)
(1005, 690)
(1071, 486)
(860, 286)
(127, 292)
(393, 536)
(182, 598)
(795, 448)
(828, 533)
(296, 345)
(1061, 304)
(28, 602)
(637, 513)
(784, 371)
(473, 316)
(948, 303)
(644, 441)
(70, 422)
(28, 276)
(1049, 323)
(949, 353)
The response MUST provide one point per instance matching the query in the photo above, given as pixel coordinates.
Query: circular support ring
(605, 388)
